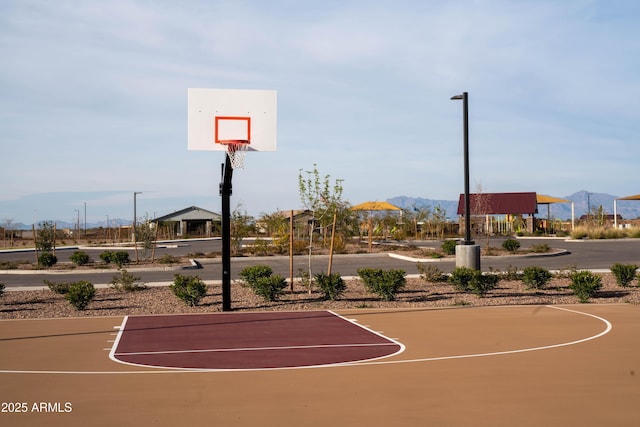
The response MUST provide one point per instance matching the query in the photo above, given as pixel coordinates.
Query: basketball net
(236, 150)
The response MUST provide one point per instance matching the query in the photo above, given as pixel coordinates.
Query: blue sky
(94, 100)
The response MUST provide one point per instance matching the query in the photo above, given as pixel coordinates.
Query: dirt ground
(417, 293)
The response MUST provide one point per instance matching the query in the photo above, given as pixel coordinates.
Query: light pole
(469, 254)
(135, 216)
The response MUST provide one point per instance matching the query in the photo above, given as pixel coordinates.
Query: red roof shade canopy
(500, 203)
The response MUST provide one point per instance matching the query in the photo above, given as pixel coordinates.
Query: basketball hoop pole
(225, 193)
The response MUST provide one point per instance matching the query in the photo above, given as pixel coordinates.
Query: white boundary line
(175, 369)
(608, 328)
(231, 350)
(117, 340)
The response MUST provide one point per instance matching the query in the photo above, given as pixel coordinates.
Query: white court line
(222, 350)
(522, 350)
(607, 329)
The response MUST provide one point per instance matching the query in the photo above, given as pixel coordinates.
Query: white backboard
(231, 114)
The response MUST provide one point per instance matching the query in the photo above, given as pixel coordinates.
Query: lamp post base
(468, 256)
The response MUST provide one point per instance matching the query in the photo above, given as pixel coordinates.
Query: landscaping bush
(253, 273)
(466, 279)
(624, 273)
(126, 282)
(384, 283)
(585, 284)
(80, 258)
(541, 248)
(536, 277)
(2, 287)
(270, 287)
(58, 287)
(168, 259)
(511, 245)
(190, 289)
(431, 273)
(47, 259)
(449, 247)
(460, 278)
(331, 285)
(480, 284)
(106, 257)
(80, 294)
(119, 258)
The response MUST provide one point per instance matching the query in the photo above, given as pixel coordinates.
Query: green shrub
(126, 282)
(255, 272)
(541, 248)
(80, 258)
(58, 287)
(460, 278)
(480, 284)
(168, 259)
(585, 284)
(431, 273)
(80, 294)
(2, 287)
(511, 245)
(624, 273)
(119, 258)
(270, 287)
(190, 289)
(536, 277)
(47, 259)
(331, 285)
(384, 283)
(106, 257)
(449, 247)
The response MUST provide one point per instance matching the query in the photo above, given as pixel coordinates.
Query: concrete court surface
(574, 365)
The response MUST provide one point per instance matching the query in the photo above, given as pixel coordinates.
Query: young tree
(145, 234)
(241, 226)
(45, 238)
(45, 243)
(324, 200)
(480, 206)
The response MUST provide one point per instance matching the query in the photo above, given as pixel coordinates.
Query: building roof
(500, 203)
(192, 213)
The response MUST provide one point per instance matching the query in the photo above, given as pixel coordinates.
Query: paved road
(594, 254)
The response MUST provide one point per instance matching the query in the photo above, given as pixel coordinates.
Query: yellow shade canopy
(375, 206)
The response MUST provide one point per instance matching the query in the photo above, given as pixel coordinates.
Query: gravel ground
(417, 293)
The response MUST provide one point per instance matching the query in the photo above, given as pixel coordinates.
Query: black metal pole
(467, 202)
(225, 193)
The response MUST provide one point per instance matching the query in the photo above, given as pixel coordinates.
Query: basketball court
(493, 366)
(490, 366)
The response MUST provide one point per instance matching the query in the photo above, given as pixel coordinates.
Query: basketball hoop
(236, 150)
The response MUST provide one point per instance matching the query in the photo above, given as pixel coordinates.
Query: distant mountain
(409, 203)
(582, 200)
(71, 225)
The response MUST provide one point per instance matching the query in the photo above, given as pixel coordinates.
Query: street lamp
(469, 253)
(467, 212)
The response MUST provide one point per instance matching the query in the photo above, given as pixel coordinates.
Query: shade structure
(375, 206)
(541, 199)
(636, 197)
(615, 207)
